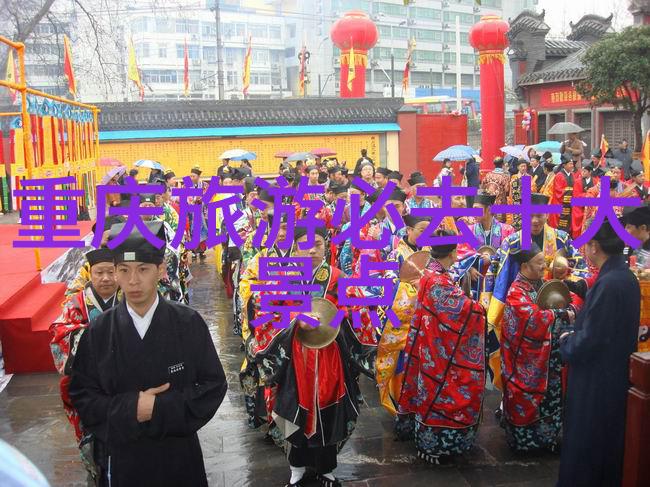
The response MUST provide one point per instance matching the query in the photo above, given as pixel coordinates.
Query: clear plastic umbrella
(231, 153)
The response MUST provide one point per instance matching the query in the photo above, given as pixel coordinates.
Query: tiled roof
(529, 21)
(238, 113)
(592, 24)
(562, 47)
(569, 68)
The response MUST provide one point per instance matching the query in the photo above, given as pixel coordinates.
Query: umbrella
(283, 154)
(249, 156)
(548, 145)
(470, 150)
(565, 128)
(116, 171)
(323, 152)
(300, 156)
(109, 161)
(516, 151)
(229, 154)
(149, 163)
(453, 154)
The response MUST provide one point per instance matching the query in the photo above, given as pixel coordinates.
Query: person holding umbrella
(573, 145)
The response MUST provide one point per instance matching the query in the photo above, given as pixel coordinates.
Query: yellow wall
(181, 155)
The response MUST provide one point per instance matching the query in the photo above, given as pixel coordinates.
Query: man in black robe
(146, 377)
(598, 352)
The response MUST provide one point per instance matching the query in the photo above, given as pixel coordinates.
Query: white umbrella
(229, 154)
(149, 163)
(561, 128)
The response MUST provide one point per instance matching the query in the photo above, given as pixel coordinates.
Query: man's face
(139, 281)
(225, 162)
(399, 206)
(523, 168)
(313, 177)
(486, 216)
(642, 232)
(536, 266)
(585, 173)
(639, 179)
(537, 222)
(616, 174)
(572, 136)
(340, 178)
(568, 167)
(413, 233)
(282, 232)
(380, 179)
(534, 162)
(415, 188)
(329, 196)
(623, 145)
(194, 177)
(362, 196)
(102, 277)
(458, 201)
(316, 253)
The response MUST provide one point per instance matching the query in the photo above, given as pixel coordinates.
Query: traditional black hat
(539, 199)
(100, 255)
(265, 195)
(634, 172)
(440, 251)
(345, 171)
(395, 175)
(614, 163)
(522, 256)
(411, 221)
(169, 174)
(384, 171)
(564, 159)
(301, 231)
(485, 199)
(608, 239)
(498, 161)
(196, 170)
(636, 215)
(537, 157)
(338, 188)
(588, 165)
(249, 184)
(136, 248)
(397, 195)
(311, 167)
(372, 197)
(334, 169)
(547, 155)
(416, 178)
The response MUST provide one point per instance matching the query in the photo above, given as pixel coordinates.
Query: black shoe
(325, 482)
(297, 484)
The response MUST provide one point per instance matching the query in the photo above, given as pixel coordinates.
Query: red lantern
(354, 34)
(489, 38)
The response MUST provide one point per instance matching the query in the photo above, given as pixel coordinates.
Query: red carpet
(27, 307)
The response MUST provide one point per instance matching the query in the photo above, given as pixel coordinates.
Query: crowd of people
(551, 326)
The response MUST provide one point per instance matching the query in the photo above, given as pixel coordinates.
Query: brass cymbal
(413, 267)
(323, 334)
(487, 249)
(553, 294)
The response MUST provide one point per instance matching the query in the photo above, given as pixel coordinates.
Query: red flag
(67, 66)
(407, 67)
(186, 75)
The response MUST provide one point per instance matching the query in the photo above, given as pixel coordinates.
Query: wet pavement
(32, 419)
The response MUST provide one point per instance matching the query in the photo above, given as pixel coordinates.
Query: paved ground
(32, 419)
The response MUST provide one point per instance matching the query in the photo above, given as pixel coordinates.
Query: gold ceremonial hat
(553, 294)
(323, 334)
(413, 267)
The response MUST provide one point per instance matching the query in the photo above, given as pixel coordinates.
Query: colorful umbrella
(116, 171)
(453, 153)
(469, 149)
(514, 150)
(249, 156)
(229, 154)
(110, 162)
(548, 145)
(149, 163)
(300, 156)
(323, 152)
(283, 154)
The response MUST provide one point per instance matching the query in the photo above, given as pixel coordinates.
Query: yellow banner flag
(645, 156)
(132, 70)
(351, 68)
(11, 73)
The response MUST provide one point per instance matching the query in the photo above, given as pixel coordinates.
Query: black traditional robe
(113, 364)
(598, 355)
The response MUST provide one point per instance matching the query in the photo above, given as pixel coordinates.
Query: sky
(560, 12)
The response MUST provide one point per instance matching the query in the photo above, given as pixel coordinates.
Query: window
(258, 31)
(163, 25)
(427, 56)
(466, 79)
(494, 3)
(450, 37)
(428, 35)
(292, 30)
(426, 13)
(139, 25)
(450, 80)
(159, 76)
(51, 49)
(260, 56)
(275, 32)
(465, 18)
(192, 51)
(210, 54)
(363, 5)
(384, 31)
(208, 29)
(184, 26)
(233, 30)
(450, 58)
(260, 78)
(467, 59)
(162, 50)
(142, 50)
(389, 9)
(276, 56)
(400, 33)
(234, 55)
(424, 78)
(399, 54)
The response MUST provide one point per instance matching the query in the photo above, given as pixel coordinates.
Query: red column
(492, 106)
(359, 82)
(637, 428)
